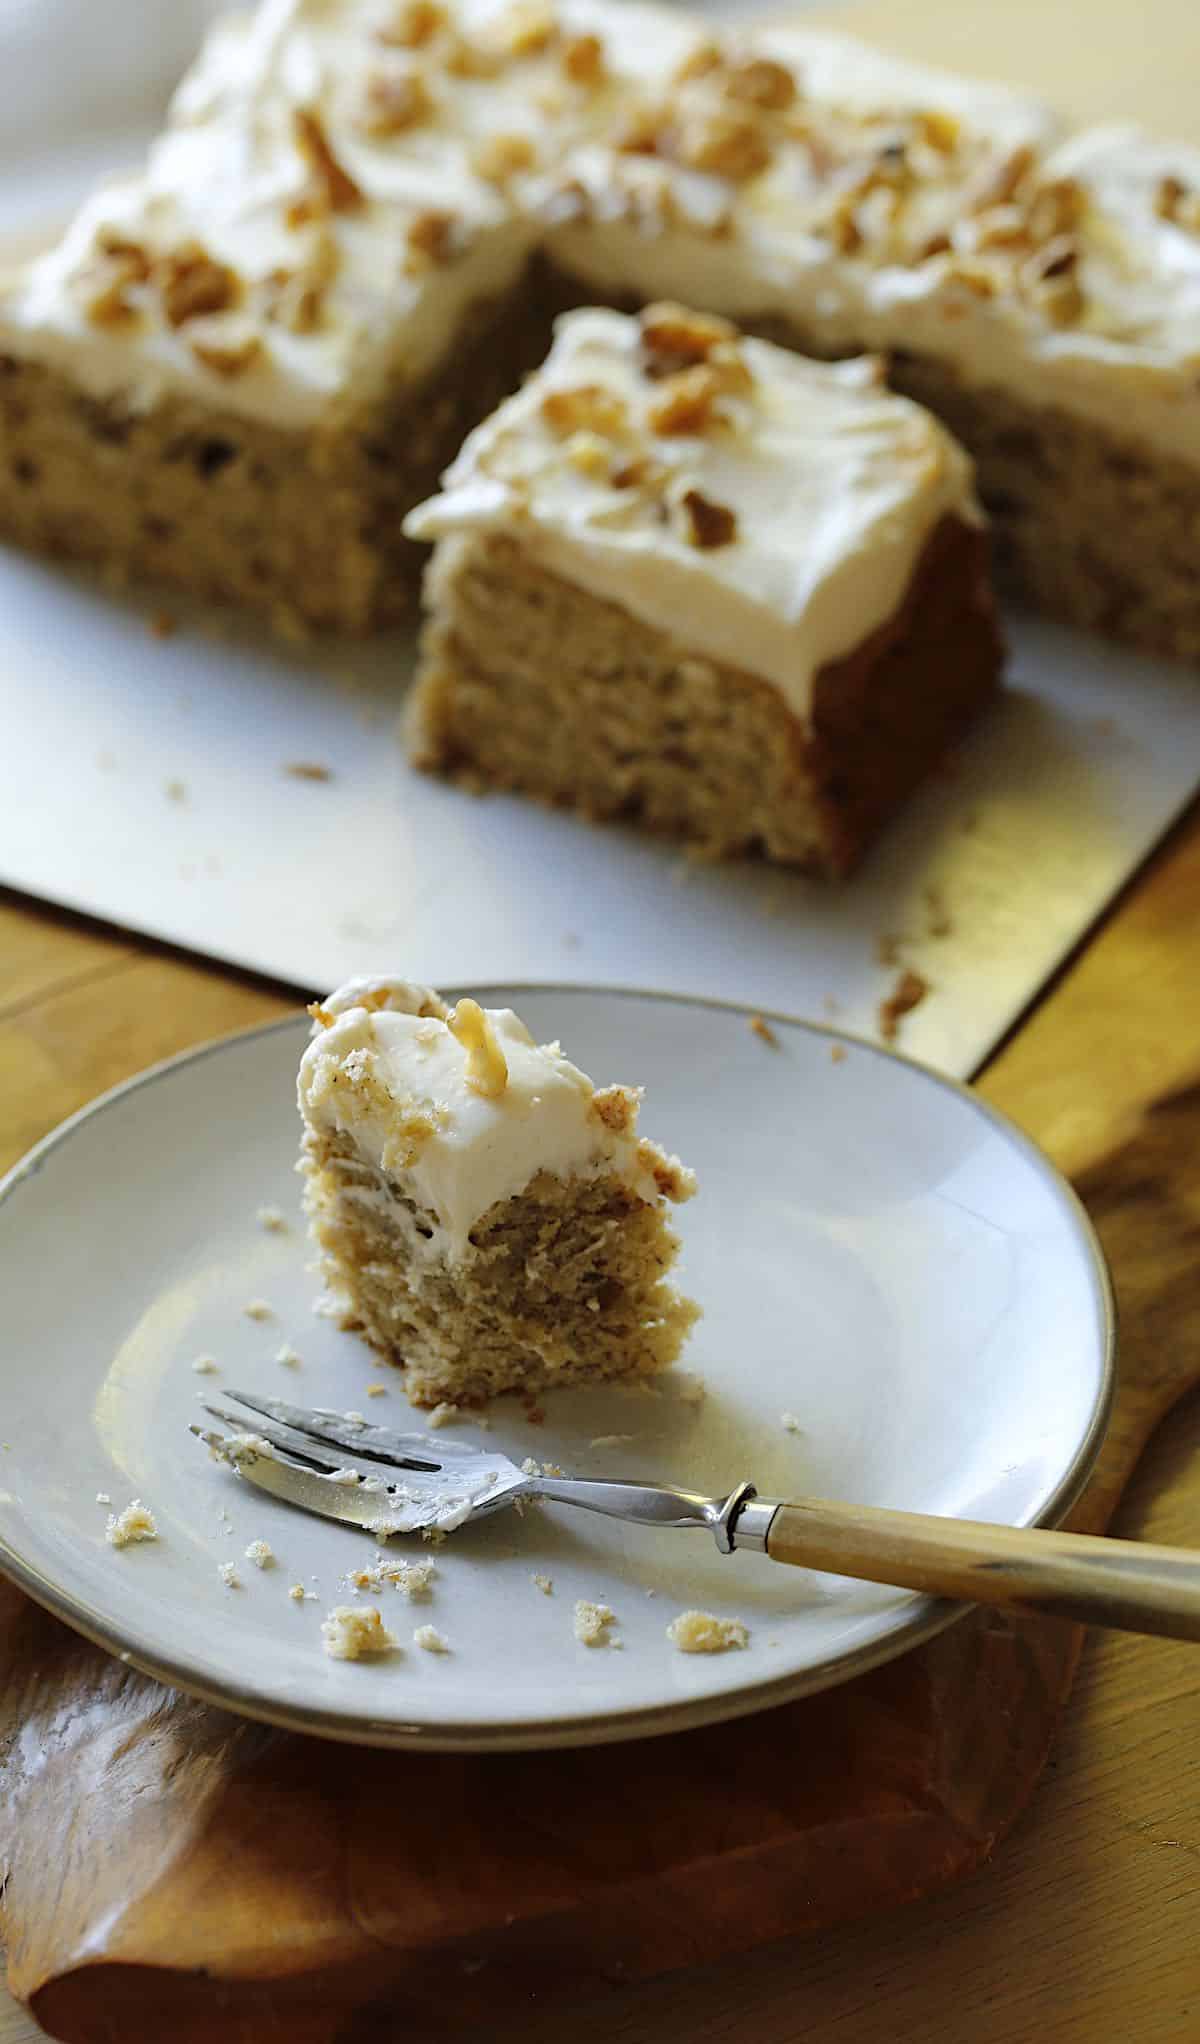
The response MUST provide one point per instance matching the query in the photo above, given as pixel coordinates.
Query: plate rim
(919, 1619)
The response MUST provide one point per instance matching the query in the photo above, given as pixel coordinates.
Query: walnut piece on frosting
(588, 407)
(393, 102)
(332, 188)
(487, 1066)
(192, 284)
(583, 59)
(685, 401)
(412, 24)
(499, 157)
(430, 240)
(707, 524)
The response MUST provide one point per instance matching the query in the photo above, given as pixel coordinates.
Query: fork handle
(1127, 1584)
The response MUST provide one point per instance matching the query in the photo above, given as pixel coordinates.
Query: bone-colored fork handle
(1122, 1583)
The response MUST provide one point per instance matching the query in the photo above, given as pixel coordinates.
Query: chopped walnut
(588, 407)
(335, 186)
(192, 284)
(1000, 180)
(708, 524)
(762, 82)
(104, 294)
(295, 299)
(700, 63)
(500, 157)
(940, 131)
(414, 23)
(1055, 208)
(464, 59)
(226, 358)
(639, 474)
(132, 257)
(430, 240)
(394, 102)
(730, 145)
(1178, 203)
(487, 1066)
(528, 28)
(685, 403)
(583, 59)
(674, 338)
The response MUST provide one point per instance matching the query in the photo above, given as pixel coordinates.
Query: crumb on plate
(592, 1623)
(352, 1631)
(698, 1632)
(433, 1641)
(135, 1523)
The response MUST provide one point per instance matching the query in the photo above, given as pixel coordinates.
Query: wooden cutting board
(175, 1873)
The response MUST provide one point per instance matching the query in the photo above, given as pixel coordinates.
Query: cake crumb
(376, 1390)
(260, 1554)
(308, 770)
(764, 1030)
(411, 1578)
(204, 1366)
(908, 993)
(698, 1632)
(273, 1219)
(611, 1440)
(592, 1622)
(433, 1641)
(229, 1575)
(543, 1583)
(175, 791)
(135, 1523)
(837, 1054)
(352, 1631)
(790, 1423)
(297, 1592)
(258, 1309)
(443, 1415)
(103, 1498)
(287, 1356)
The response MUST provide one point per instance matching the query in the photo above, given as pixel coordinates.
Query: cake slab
(253, 802)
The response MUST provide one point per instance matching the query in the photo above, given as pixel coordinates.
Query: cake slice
(240, 365)
(694, 579)
(486, 1217)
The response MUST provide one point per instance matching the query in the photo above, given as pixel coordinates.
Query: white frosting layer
(1129, 361)
(400, 1086)
(229, 172)
(836, 486)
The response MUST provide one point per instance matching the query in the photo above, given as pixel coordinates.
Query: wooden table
(1085, 1926)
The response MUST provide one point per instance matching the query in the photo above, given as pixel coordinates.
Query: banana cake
(485, 1216)
(696, 580)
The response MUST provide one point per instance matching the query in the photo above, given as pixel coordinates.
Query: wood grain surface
(1085, 1926)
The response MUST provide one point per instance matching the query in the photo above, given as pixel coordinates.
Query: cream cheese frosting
(893, 209)
(352, 171)
(834, 486)
(399, 1081)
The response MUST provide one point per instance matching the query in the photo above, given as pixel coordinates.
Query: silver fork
(387, 1482)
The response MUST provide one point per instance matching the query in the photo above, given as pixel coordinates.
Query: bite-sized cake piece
(486, 1217)
(240, 366)
(693, 579)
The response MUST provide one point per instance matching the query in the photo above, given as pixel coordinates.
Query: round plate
(879, 1257)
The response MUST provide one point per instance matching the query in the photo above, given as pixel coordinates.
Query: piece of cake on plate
(691, 578)
(240, 366)
(486, 1217)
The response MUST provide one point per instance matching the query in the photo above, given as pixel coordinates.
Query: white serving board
(989, 878)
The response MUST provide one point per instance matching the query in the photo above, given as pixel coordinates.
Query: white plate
(875, 1251)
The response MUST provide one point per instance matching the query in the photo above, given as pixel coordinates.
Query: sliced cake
(486, 1217)
(240, 366)
(696, 580)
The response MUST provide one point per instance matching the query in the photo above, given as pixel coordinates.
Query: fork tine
(374, 1444)
(300, 1449)
(375, 1512)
